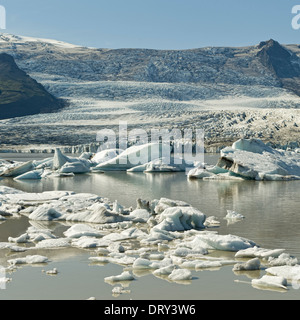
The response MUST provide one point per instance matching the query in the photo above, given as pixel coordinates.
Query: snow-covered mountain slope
(162, 88)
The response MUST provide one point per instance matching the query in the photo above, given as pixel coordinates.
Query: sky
(154, 24)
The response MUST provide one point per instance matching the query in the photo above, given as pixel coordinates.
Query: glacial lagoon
(270, 208)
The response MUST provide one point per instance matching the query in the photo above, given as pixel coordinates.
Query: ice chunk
(252, 159)
(36, 197)
(34, 174)
(106, 155)
(17, 169)
(30, 259)
(74, 167)
(283, 259)
(164, 271)
(132, 157)
(233, 215)
(164, 203)
(59, 159)
(180, 275)
(139, 215)
(125, 276)
(53, 243)
(288, 272)
(259, 253)
(45, 213)
(271, 282)
(81, 230)
(253, 264)
(23, 238)
(141, 263)
(99, 215)
(180, 219)
(199, 173)
(222, 242)
(90, 242)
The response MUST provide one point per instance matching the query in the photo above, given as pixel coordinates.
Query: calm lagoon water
(272, 220)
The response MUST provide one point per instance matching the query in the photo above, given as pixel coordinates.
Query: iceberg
(131, 157)
(17, 169)
(252, 159)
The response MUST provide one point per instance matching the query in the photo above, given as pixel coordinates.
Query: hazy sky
(157, 24)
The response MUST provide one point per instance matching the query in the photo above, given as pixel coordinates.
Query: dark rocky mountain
(20, 95)
(284, 64)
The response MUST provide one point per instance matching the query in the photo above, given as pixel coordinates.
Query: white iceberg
(17, 169)
(252, 159)
(132, 157)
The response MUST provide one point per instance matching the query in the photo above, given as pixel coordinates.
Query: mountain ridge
(21, 95)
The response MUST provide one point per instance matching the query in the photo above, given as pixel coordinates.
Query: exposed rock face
(282, 62)
(21, 95)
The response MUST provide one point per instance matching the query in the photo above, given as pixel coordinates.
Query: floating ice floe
(125, 276)
(163, 164)
(180, 219)
(180, 275)
(256, 252)
(81, 230)
(233, 216)
(288, 272)
(30, 175)
(30, 259)
(270, 282)
(228, 242)
(252, 159)
(74, 167)
(253, 264)
(16, 169)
